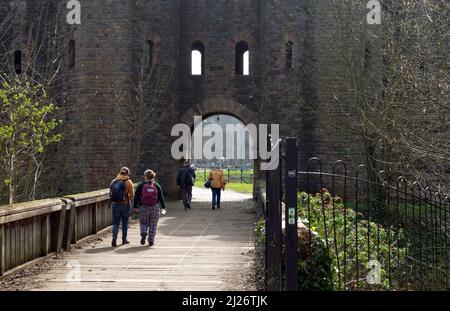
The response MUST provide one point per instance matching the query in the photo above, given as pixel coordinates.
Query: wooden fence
(32, 230)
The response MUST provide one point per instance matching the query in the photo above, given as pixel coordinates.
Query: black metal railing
(359, 230)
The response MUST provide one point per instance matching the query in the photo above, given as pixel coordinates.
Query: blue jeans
(121, 212)
(216, 196)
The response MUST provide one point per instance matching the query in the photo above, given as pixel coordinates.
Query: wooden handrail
(50, 226)
(20, 211)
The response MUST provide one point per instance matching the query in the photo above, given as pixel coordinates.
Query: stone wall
(110, 53)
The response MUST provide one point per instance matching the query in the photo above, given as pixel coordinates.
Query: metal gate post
(273, 229)
(291, 214)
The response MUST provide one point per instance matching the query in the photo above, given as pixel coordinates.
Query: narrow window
(242, 59)
(149, 54)
(368, 55)
(197, 59)
(289, 55)
(71, 54)
(18, 62)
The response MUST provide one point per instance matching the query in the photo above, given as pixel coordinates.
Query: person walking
(217, 185)
(148, 202)
(185, 180)
(121, 193)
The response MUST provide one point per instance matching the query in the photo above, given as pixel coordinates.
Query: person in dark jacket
(148, 202)
(185, 180)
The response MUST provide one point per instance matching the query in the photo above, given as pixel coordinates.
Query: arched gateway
(225, 106)
(220, 106)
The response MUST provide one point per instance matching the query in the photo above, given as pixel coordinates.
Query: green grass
(242, 188)
(234, 175)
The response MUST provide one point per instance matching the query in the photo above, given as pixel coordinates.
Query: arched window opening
(289, 55)
(197, 59)
(149, 54)
(18, 62)
(71, 54)
(242, 59)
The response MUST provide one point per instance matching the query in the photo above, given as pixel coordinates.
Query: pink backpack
(149, 194)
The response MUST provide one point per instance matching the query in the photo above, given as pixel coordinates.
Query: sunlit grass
(238, 187)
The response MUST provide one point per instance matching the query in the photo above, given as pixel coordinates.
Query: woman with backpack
(148, 201)
(217, 185)
(121, 193)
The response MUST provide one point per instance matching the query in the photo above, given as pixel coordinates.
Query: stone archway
(229, 107)
(220, 106)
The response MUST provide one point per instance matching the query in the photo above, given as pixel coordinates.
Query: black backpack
(117, 191)
(189, 179)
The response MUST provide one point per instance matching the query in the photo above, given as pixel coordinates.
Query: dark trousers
(121, 213)
(216, 196)
(186, 195)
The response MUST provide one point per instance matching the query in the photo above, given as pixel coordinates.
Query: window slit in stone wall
(149, 54)
(197, 59)
(289, 55)
(242, 59)
(18, 62)
(71, 54)
(368, 55)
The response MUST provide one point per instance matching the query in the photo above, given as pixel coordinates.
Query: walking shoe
(218, 207)
(151, 243)
(114, 243)
(213, 207)
(124, 242)
(143, 240)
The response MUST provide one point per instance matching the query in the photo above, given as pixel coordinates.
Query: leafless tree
(392, 87)
(138, 101)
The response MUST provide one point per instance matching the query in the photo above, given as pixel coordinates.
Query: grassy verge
(242, 188)
(232, 175)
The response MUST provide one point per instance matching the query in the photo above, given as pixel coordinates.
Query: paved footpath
(199, 249)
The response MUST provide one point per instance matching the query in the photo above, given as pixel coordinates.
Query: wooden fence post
(94, 218)
(45, 235)
(61, 225)
(2, 250)
(70, 225)
(291, 214)
(75, 224)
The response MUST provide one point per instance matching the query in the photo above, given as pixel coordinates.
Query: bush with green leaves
(350, 241)
(28, 126)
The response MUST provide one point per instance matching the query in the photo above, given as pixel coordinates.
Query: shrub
(350, 242)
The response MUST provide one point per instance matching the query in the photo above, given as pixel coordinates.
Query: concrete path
(199, 249)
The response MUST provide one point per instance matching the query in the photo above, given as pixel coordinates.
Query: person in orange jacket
(217, 185)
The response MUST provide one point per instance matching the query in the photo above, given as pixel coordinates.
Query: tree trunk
(12, 180)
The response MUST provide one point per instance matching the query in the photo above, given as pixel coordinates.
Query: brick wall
(109, 46)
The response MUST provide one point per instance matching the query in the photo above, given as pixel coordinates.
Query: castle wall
(110, 53)
(219, 25)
